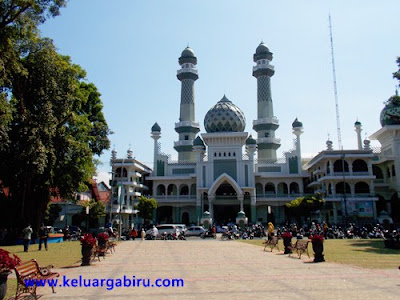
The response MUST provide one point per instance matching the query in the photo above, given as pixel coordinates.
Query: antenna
(339, 135)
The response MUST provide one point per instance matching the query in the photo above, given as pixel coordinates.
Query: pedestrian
(43, 235)
(143, 234)
(270, 230)
(27, 232)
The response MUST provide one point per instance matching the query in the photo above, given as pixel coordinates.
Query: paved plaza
(214, 269)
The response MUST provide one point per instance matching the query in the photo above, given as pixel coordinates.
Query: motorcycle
(230, 236)
(208, 234)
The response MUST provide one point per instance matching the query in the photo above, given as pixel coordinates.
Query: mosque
(225, 170)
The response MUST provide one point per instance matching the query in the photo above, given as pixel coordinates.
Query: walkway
(214, 269)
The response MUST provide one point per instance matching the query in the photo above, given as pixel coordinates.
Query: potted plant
(7, 263)
(87, 242)
(287, 241)
(317, 241)
(102, 239)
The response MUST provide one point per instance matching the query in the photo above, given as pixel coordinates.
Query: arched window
(259, 189)
(328, 168)
(184, 190)
(117, 172)
(360, 165)
(282, 188)
(124, 173)
(294, 188)
(361, 188)
(342, 188)
(172, 191)
(269, 188)
(377, 171)
(161, 190)
(393, 171)
(338, 166)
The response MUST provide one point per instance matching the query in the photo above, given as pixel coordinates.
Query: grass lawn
(369, 253)
(59, 255)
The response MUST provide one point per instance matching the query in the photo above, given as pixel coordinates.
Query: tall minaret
(266, 122)
(187, 127)
(358, 129)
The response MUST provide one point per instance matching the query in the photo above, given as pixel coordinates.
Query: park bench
(272, 243)
(99, 251)
(300, 247)
(31, 270)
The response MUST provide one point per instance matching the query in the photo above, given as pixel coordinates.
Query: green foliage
(146, 207)
(303, 206)
(51, 120)
(52, 213)
(397, 73)
(97, 210)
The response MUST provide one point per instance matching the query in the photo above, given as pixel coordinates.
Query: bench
(272, 243)
(31, 270)
(300, 247)
(99, 251)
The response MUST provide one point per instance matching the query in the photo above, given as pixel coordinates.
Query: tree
(56, 127)
(97, 210)
(146, 206)
(303, 206)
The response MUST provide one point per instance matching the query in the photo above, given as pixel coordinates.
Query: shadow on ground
(375, 246)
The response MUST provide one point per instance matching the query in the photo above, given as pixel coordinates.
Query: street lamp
(87, 218)
(344, 191)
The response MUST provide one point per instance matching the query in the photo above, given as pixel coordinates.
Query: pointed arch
(225, 178)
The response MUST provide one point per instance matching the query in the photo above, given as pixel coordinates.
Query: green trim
(268, 146)
(253, 210)
(261, 72)
(187, 129)
(265, 126)
(182, 171)
(187, 75)
(184, 148)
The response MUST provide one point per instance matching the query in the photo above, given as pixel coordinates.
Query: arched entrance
(226, 205)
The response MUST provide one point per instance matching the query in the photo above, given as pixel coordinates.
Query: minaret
(297, 127)
(266, 122)
(187, 127)
(358, 129)
(155, 135)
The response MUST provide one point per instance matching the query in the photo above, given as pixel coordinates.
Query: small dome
(262, 48)
(188, 52)
(297, 124)
(390, 114)
(251, 141)
(198, 142)
(156, 128)
(224, 117)
(357, 123)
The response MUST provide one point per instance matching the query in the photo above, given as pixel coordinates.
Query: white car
(169, 229)
(194, 231)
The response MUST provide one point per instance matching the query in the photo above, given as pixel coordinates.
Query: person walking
(43, 235)
(143, 234)
(270, 230)
(27, 232)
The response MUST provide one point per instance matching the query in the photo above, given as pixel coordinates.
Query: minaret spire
(266, 122)
(187, 127)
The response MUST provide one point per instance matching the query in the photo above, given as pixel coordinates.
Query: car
(222, 229)
(169, 229)
(194, 231)
(182, 227)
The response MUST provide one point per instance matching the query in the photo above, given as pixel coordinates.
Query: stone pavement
(215, 269)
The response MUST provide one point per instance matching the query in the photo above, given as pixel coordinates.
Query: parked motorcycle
(230, 236)
(208, 234)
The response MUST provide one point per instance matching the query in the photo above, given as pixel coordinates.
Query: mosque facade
(224, 170)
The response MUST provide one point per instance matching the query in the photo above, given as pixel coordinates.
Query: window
(267, 134)
(186, 137)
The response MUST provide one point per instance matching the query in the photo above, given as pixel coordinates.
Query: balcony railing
(273, 120)
(187, 124)
(183, 143)
(263, 66)
(268, 140)
(187, 70)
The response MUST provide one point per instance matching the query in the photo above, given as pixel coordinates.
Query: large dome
(390, 114)
(225, 117)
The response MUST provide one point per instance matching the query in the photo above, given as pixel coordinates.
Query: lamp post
(87, 218)
(344, 191)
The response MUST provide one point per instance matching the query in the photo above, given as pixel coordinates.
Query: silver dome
(224, 117)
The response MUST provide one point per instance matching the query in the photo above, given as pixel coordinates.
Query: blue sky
(130, 50)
